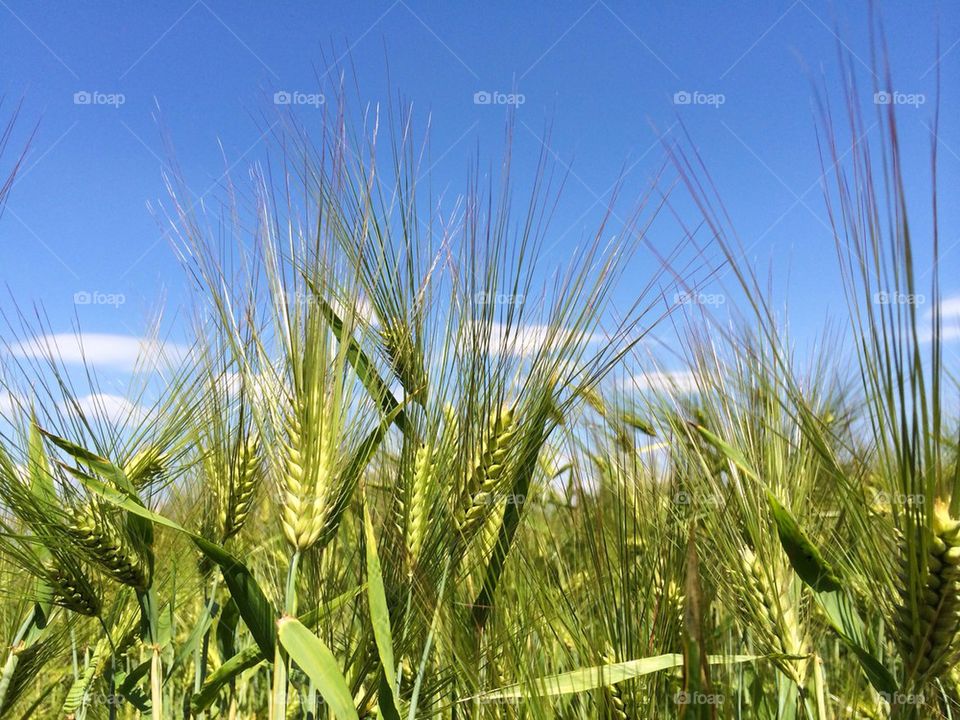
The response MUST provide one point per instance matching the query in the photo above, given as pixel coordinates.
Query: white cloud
(528, 340)
(681, 381)
(950, 321)
(98, 349)
(517, 340)
(362, 308)
(115, 409)
(950, 310)
(8, 403)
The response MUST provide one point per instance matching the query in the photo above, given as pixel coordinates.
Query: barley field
(401, 473)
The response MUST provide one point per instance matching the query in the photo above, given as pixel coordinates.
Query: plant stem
(149, 626)
(278, 707)
(200, 653)
(156, 684)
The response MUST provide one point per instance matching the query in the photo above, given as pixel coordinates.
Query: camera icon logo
(882, 97)
(82, 298)
(82, 97)
(682, 98)
(482, 97)
(282, 97)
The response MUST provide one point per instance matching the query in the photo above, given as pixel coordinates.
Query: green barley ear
(928, 633)
(431, 461)
(423, 467)
(77, 696)
(246, 471)
(614, 696)
(306, 493)
(773, 612)
(405, 358)
(108, 546)
(593, 399)
(145, 466)
(484, 479)
(70, 587)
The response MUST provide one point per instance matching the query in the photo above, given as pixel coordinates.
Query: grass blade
(311, 654)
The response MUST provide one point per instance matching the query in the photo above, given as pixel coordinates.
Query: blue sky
(107, 81)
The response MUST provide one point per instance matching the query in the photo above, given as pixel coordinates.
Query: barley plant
(402, 470)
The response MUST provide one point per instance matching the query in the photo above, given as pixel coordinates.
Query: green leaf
(41, 481)
(804, 556)
(379, 611)
(848, 624)
(249, 657)
(387, 702)
(97, 464)
(227, 629)
(313, 657)
(591, 678)
(129, 681)
(257, 612)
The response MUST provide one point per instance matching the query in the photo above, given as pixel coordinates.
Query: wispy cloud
(950, 310)
(950, 321)
(98, 349)
(682, 381)
(115, 409)
(8, 403)
(523, 340)
(528, 340)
